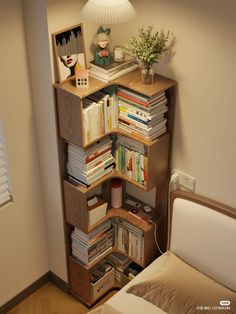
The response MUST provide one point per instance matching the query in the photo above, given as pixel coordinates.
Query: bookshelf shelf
(74, 146)
(131, 80)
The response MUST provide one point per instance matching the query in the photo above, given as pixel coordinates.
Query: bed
(199, 269)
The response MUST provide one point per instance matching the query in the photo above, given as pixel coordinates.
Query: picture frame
(69, 51)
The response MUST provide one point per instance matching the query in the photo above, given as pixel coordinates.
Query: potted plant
(148, 47)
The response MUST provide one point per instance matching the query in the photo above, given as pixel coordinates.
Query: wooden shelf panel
(109, 176)
(85, 190)
(137, 137)
(146, 226)
(118, 130)
(130, 80)
(111, 213)
(94, 86)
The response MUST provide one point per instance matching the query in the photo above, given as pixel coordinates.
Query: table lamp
(106, 12)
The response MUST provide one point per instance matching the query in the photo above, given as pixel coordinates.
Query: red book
(96, 155)
(142, 103)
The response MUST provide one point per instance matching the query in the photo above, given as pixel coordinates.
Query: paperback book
(88, 165)
(113, 70)
(142, 115)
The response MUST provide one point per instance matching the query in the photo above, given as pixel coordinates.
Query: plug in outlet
(185, 180)
(174, 181)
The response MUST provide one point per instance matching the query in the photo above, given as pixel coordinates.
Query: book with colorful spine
(89, 165)
(142, 115)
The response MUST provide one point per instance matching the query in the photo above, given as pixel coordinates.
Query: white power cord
(155, 236)
(174, 179)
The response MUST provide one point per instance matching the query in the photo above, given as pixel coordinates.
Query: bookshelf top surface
(131, 80)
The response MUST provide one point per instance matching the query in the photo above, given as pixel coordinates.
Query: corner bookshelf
(69, 106)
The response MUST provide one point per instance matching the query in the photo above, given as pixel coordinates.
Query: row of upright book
(99, 115)
(131, 159)
(129, 239)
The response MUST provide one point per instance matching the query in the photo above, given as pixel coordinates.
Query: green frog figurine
(102, 56)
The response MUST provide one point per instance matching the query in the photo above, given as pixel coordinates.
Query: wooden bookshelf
(76, 212)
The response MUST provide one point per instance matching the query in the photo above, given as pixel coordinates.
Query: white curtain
(5, 190)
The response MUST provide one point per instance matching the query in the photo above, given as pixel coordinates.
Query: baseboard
(61, 284)
(49, 276)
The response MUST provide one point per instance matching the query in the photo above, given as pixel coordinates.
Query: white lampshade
(108, 11)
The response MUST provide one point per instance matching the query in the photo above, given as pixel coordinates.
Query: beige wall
(204, 64)
(23, 243)
(43, 101)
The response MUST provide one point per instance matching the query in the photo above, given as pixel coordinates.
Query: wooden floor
(51, 300)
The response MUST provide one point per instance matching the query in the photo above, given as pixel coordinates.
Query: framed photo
(69, 51)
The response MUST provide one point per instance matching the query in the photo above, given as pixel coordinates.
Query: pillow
(178, 288)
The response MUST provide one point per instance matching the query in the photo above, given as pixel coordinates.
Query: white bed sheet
(128, 303)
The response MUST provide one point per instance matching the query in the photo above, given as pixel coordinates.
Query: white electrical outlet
(185, 180)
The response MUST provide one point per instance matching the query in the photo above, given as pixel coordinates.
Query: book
(139, 125)
(136, 101)
(96, 258)
(113, 65)
(129, 129)
(88, 247)
(88, 236)
(88, 165)
(142, 114)
(109, 77)
(132, 144)
(129, 239)
(131, 163)
(75, 173)
(142, 98)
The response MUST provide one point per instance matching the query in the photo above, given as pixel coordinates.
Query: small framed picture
(69, 51)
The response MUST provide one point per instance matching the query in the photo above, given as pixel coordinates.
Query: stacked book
(121, 264)
(129, 239)
(89, 247)
(141, 114)
(119, 261)
(85, 166)
(131, 160)
(113, 70)
(99, 115)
